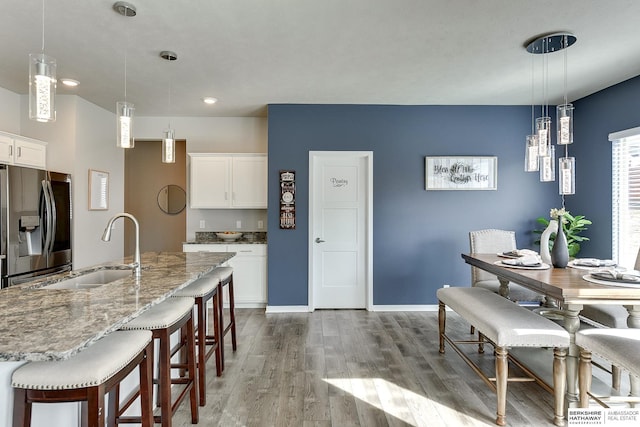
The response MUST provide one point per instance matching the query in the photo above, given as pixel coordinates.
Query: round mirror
(172, 199)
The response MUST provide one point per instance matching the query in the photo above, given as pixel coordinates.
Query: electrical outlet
(445, 286)
(238, 224)
(260, 225)
(202, 223)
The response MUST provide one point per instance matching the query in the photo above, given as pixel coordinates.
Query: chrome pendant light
(566, 164)
(124, 109)
(531, 161)
(42, 84)
(169, 139)
(545, 45)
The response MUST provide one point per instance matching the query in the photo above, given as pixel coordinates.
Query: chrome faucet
(106, 236)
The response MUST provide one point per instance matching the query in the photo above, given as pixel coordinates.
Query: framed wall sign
(287, 199)
(98, 190)
(461, 173)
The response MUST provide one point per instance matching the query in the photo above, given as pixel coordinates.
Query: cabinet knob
(319, 240)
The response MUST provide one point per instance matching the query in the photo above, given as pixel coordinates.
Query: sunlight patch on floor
(396, 401)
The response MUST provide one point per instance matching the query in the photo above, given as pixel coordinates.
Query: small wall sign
(287, 199)
(98, 190)
(461, 173)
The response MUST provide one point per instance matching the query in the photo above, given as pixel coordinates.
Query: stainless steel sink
(89, 280)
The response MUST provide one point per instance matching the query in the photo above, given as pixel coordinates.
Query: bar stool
(173, 314)
(202, 290)
(224, 275)
(87, 377)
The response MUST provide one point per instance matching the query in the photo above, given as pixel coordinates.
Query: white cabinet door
(249, 274)
(29, 153)
(210, 182)
(249, 271)
(21, 151)
(220, 181)
(6, 149)
(249, 182)
(248, 281)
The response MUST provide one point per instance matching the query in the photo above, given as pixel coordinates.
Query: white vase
(545, 254)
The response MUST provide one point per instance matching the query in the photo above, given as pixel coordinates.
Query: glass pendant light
(564, 112)
(566, 164)
(124, 112)
(124, 109)
(42, 84)
(543, 128)
(545, 45)
(567, 175)
(531, 162)
(169, 140)
(547, 166)
(169, 147)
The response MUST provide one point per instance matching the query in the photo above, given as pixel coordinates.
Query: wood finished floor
(354, 368)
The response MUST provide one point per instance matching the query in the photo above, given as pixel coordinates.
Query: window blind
(626, 196)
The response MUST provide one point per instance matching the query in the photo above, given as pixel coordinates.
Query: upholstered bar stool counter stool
(171, 315)
(203, 290)
(224, 275)
(87, 377)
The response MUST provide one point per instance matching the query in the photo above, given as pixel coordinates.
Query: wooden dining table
(567, 288)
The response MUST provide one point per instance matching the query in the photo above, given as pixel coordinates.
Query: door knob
(319, 240)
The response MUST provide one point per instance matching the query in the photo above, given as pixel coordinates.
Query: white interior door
(340, 229)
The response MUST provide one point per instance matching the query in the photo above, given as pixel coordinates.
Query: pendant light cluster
(42, 84)
(42, 92)
(124, 109)
(540, 152)
(169, 139)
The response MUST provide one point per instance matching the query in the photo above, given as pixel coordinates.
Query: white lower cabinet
(249, 271)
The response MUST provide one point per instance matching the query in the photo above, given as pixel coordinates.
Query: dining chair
(494, 241)
(609, 316)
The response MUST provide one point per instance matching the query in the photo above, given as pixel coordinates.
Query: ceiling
(250, 53)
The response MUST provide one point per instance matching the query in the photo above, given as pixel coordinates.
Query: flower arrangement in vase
(572, 225)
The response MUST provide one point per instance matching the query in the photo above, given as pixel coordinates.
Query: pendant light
(564, 112)
(531, 155)
(124, 109)
(543, 46)
(169, 140)
(42, 84)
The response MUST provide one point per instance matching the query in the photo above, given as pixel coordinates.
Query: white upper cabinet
(233, 181)
(22, 151)
(210, 181)
(249, 182)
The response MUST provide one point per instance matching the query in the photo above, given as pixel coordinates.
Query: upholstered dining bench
(505, 324)
(620, 347)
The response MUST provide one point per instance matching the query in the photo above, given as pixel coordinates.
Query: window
(626, 196)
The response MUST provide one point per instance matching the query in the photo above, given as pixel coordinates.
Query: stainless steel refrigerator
(35, 218)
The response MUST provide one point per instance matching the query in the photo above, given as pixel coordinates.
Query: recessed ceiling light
(70, 82)
(210, 100)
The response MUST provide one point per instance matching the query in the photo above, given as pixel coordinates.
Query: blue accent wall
(418, 235)
(596, 116)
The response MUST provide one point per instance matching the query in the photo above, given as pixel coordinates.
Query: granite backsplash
(251, 236)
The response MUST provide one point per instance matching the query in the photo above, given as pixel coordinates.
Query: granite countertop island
(52, 324)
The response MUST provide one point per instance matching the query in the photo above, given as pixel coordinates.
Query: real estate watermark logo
(615, 417)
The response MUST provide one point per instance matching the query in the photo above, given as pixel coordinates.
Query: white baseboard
(305, 309)
(433, 307)
(287, 309)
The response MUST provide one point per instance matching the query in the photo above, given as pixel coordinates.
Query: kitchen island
(37, 323)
